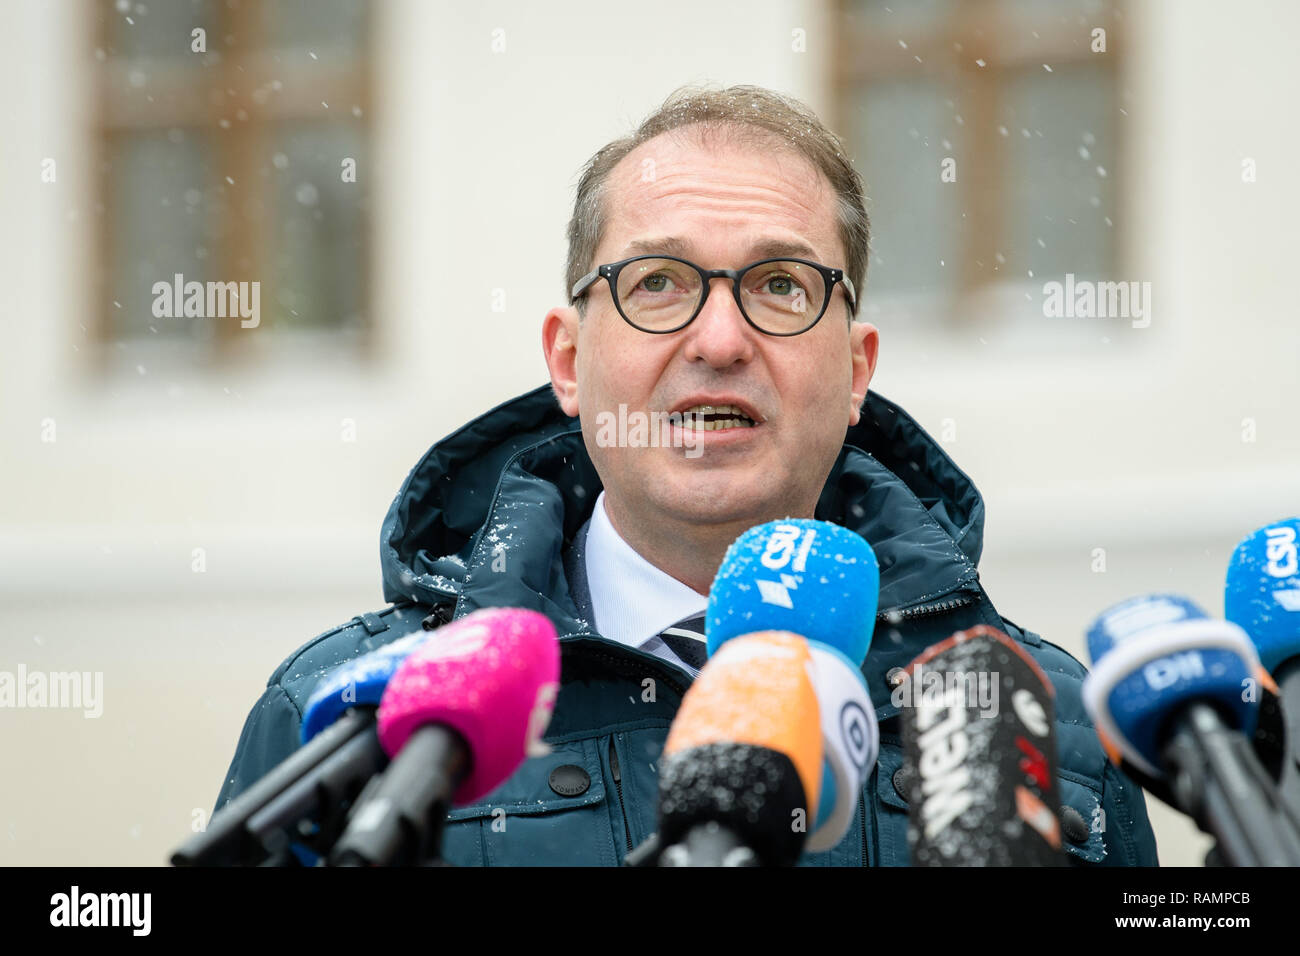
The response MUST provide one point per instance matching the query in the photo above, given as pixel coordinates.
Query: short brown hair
(744, 110)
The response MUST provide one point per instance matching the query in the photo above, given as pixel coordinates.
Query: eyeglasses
(661, 294)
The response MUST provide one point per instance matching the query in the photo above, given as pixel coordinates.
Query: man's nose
(720, 335)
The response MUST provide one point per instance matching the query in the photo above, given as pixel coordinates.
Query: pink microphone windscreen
(492, 676)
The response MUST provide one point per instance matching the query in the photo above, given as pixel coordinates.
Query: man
(761, 375)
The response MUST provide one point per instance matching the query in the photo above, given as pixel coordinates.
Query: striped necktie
(686, 640)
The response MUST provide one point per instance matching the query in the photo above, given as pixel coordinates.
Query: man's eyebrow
(793, 248)
(665, 246)
(683, 249)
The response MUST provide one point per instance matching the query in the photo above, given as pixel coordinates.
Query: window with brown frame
(233, 139)
(1019, 102)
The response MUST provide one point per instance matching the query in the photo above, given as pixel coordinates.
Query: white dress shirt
(633, 601)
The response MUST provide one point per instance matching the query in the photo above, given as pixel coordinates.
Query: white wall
(1135, 447)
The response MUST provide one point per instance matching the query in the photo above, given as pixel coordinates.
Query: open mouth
(711, 418)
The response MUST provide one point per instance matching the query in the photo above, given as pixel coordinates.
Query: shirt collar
(632, 600)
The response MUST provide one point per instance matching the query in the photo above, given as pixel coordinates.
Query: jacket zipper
(924, 610)
(865, 860)
(618, 786)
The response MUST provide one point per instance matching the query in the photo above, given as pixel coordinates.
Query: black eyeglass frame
(610, 272)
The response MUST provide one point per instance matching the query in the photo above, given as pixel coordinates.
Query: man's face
(723, 205)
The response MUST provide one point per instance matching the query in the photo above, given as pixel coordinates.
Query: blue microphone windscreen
(812, 578)
(1155, 654)
(356, 683)
(1262, 593)
(1137, 617)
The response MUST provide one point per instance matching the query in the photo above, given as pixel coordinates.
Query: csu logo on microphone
(780, 552)
(1280, 551)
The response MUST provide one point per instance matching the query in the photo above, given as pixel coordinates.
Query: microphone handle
(225, 841)
(709, 844)
(1219, 781)
(1287, 677)
(399, 820)
(322, 795)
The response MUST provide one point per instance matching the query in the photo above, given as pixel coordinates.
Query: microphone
(742, 764)
(358, 683)
(811, 578)
(459, 715)
(1167, 693)
(340, 752)
(1262, 596)
(979, 748)
(850, 743)
(820, 581)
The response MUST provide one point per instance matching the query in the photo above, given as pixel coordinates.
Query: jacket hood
(484, 516)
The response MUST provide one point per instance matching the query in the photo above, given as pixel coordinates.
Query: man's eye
(779, 285)
(656, 283)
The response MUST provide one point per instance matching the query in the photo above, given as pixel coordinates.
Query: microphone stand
(1218, 780)
(227, 841)
(1287, 676)
(398, 818)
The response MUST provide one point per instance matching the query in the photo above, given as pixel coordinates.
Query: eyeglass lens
(661, 294)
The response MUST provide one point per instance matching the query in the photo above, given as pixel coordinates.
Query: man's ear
(864, 347)
(560, 348)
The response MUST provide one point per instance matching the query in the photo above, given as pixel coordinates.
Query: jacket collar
(484, 519)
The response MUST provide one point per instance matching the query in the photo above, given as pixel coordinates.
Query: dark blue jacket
(490, 516)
